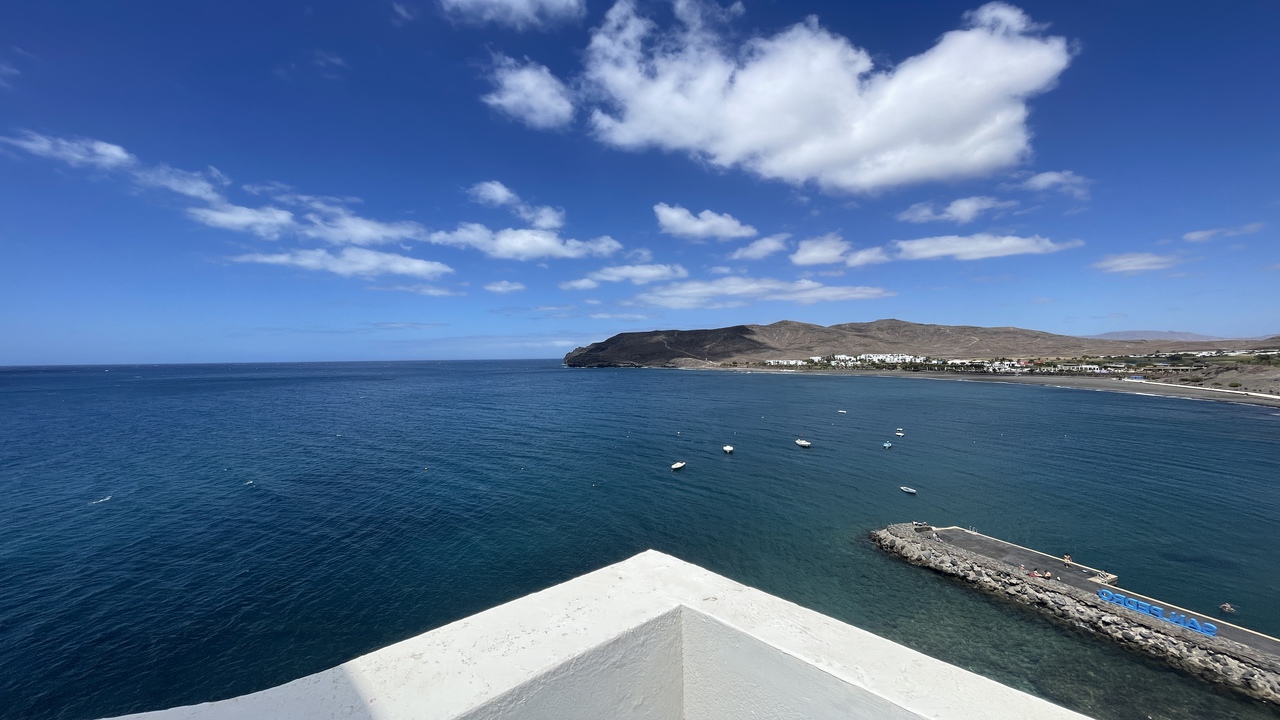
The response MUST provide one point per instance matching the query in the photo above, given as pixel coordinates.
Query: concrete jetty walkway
(1090, 580)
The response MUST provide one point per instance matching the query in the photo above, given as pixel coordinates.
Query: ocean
(176, 534)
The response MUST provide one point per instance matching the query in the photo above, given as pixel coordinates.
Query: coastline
(1073, 382)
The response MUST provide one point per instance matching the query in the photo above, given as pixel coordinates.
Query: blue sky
(246, 181)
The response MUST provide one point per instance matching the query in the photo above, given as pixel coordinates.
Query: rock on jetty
(1243, 669)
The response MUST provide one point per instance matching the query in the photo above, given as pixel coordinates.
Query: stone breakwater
(1218, 660)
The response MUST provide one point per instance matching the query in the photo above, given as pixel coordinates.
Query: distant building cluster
(1118, 366)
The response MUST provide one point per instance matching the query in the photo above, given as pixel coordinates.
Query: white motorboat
(803, 443)
(887, 444)
(842, 412)
(677, 466)
(728, 449)
(899, 432)
(907, 490)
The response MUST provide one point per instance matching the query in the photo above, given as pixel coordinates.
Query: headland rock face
(787, 339)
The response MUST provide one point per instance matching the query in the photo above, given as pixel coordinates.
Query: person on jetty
(1066, 560)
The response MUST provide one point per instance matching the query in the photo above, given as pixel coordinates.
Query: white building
(650, 638)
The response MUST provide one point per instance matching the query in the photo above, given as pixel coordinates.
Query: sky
(239, 181)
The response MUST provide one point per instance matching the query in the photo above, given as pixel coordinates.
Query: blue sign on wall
(1201, 626)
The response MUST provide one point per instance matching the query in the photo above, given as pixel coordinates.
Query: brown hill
(794, 340)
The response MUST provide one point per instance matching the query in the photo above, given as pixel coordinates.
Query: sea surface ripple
(177, 534)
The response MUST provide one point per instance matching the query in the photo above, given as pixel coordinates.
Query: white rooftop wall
(649, 638)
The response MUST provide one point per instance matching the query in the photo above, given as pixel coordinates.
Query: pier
(1089, 599)
(1091, 580)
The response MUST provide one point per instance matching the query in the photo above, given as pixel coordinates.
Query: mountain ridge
(790, 339)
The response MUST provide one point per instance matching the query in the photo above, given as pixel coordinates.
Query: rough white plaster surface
(650, 637)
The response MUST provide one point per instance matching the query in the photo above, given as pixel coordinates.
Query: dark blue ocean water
(175, 534)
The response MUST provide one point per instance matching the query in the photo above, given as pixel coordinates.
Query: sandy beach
(1078, 382)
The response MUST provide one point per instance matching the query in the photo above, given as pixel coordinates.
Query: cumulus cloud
(959, 211)
(619, 316)
(359, 262)
(77, 152)
(1136, 262)
(977, 247)
(201, 186)
(867, 256)
(737, 291)
(824, 250)
(265, 222)
(1204, 235)
(831, 249)
(1065, 182)
(762, 248)
(7, 73)
(529, 93)
(706, 224)
(402, 13)
(807, 105)
(504, 286)
(428, 290)
(524, 243)
(636, 274)
(495, 194)
(518, 14)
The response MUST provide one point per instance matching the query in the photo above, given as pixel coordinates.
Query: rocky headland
(747, 344)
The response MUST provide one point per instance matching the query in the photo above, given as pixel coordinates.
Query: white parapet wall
(649, 638)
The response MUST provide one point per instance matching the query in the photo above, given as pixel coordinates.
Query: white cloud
(720, 270)
(824, 250)
(519, 14)
(530, 93)
(1136, 262)
(867, 256)
(428, 290)
(403, 13)
(682, 223)
(332, 222)
(267, 222)
(359, 262)
(1203, 235)
(77, 152)
(504, 286)
(806, 105)
(495, 194)
(619, 316)
(636, 274)
(523, 244)
(640, 255)
(977, 247)
(762, 248)
(1065, 182)
(201, 186)
(959, 211)
(736, 291)
(7, 73)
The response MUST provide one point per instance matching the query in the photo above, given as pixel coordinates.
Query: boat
(899, 432)
(803, 443)
(677, 466)
(728, 449)
(907, 490)
(842, 412)
(887, 444)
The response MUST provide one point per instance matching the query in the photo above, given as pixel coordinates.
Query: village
(1156, 365)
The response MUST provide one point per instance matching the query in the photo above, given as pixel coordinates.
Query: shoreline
(1070, 382)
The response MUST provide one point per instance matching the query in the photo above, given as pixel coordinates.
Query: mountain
(793, 340)
(1154, 335)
